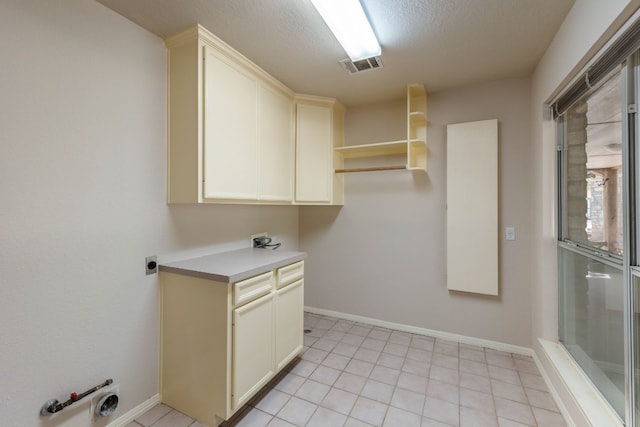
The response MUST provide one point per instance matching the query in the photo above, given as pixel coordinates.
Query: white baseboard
(134, 413)
(495, 345)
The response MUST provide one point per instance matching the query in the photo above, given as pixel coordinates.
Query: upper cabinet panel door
(229, 130)
(276, 147)
(314, 152)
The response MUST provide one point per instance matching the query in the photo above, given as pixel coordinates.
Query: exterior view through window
(594, 169)
(591, 244)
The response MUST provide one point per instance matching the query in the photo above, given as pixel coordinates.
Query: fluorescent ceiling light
(349, 24)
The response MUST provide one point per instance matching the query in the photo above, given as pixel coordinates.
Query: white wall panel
(472, 207)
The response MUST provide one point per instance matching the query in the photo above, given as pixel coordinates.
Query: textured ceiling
(440, 43)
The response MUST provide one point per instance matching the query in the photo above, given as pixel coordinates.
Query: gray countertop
(229, 267)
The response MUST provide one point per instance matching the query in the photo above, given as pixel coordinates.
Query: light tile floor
(356, 375)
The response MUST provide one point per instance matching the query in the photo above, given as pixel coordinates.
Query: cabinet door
(275, 159)
(230, 130)
(252, 353)
(314, 151)
(289, 322)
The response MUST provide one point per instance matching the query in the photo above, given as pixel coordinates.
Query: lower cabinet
(289, 322)
(253, 342)
(222, 342)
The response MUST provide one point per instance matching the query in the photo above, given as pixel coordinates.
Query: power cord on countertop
(264, 242)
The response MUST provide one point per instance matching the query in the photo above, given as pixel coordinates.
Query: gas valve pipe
(52, 406)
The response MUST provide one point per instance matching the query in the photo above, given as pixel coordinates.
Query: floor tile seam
(519, 420)
(386, 341)
(490, 393)
(390, 404)
(369, 377)
(510, 418)
(422, 417)
(360, 419)
(439, 421)
(291, 422)
(431, 418)
(309, 401)
(526, 395)
(165, 415)
(495, 414)
(517, 401)
(283, 405)
(556, 410)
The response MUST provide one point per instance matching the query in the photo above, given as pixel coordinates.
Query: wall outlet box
(253, 236)
(151, 264)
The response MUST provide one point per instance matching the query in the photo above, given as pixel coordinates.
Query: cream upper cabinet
(276, 148)
(230, 129)
(230, 126)
(238, 135)
(319, 128)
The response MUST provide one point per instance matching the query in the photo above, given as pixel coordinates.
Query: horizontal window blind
(620, 50)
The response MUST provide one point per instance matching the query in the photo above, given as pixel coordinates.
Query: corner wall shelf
(415, 146)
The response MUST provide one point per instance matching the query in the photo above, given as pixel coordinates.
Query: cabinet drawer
(290, 273)
(252, 288)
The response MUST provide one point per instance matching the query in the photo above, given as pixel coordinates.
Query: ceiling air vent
(353, 67)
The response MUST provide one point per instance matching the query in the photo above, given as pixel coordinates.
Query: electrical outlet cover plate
(510, 233)
(253, 236)
(151, 264)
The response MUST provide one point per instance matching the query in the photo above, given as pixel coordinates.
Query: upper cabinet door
(314, 154)
(229, 130)
(276, 147)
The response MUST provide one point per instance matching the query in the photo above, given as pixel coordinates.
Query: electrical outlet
(253, 236)
(95, 398)
(151, 264)
(510, 233)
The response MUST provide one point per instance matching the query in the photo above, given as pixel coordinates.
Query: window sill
(588, 399)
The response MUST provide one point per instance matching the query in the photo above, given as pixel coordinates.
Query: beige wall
(382, 255)
(82, 179)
